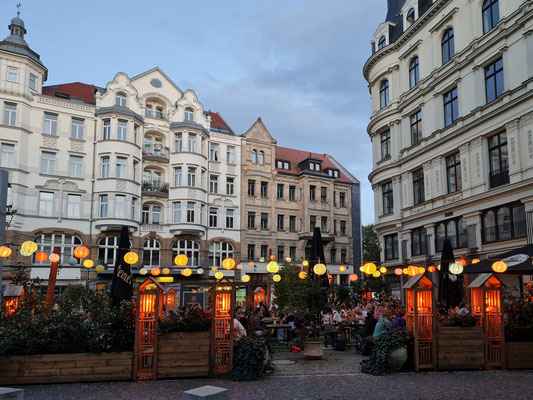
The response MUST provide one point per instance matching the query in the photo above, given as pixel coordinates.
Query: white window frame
(12, 74)
(73, 206)
(230, 185)
(121, 99)
(121, 167)
(50, 124)
(176, 212)
(213, 151)
(7, 155)
(191, 205)
(75, 166)
(106, 132)
(218, 251)
(10, 114)
(213, 184)
(178, 140)
(104, 206)
(191, 176)
(178, 176)
(190, 248)
(32, 82)
(120, 206)
(230, 218)
(46, 242)
(230, 154)
(191, 138)
(122, 130)
(153, 248)
(48, 163)
(78, 125)
(46, 204)
(189, 114)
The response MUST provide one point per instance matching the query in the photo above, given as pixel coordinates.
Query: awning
(518, 262)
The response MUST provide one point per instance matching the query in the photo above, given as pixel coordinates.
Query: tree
(370, 244)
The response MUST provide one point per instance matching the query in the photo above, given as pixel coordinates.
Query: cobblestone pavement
(336, 376)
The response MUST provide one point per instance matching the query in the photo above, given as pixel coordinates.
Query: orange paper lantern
(475, 260)
(272, 257)
(41, 256)
(398, 271)
(251, 264)
(499, 267)
(81, 252)
(5, 251)
(131, 257)
(462, 261)
(431, 269)
(302, 275)
(155, 271)
(354, 277)
(166, 271)
(228, 263)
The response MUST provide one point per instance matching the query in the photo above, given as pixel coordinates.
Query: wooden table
(276, 327)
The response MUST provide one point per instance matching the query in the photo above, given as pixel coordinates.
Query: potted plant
(316, 296)
(389, 354)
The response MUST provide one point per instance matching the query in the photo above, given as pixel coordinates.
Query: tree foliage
(370, 244)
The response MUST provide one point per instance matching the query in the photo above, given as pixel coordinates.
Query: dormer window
(333, 173)
(382, 42)
(120, 99)
(282, 164)
(313, 166)
(189, 114)
(411, 16)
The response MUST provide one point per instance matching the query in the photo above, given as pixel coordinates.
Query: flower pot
(397, 358)
(313, 350)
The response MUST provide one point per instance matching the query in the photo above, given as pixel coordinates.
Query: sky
(297, 64)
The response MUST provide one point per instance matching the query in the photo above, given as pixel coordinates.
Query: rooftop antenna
(18, 9)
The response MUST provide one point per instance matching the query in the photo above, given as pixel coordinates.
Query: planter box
(183, 355)
(460, 348)
(518, 355)
(62, 368)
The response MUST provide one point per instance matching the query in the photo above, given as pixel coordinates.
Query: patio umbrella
(317, 256)
(121, 284)
(450, 291)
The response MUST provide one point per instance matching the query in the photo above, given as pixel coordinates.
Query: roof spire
(18, 9)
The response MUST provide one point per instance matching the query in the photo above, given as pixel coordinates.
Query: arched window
(462, 234)
(410, 15)
(151, 214)
(384, 94)
(440, 236)
(48, 241)
(451, 233)
(489, 227)
(254, 156)
(107, 250)
(219, 251)
(504, 223)
(188, 247)
(189, 114)
(151, 253)
(120, 99)
(153, 181)
(491, 14)
(414, 74)
(448, 47)
(261, 158)
(153, 145)
(382, 42)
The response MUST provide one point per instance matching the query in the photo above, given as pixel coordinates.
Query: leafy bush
(185, 320)
(518, 315)
(377, 363)
(251, 357)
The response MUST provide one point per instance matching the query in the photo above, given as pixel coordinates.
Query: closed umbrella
(121, 284)
(317, 256)
(451, 290)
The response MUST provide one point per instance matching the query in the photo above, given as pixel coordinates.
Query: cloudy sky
(295, 63)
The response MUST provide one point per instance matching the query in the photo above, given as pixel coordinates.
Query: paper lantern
(186, 272)
(131, 257)
(421, 270)
(143, 271)
(181, 260)
(383, 270)
(288, 260)
(228, 263)
(342, 268)
(302, 275)
(166, 271)
(155, 271)
(5, 251)
(262, 260)
(319, 269)
(200, 271)
(463, 262)
(72, 261)
(245, 278)
(369, 268)
(28, 248)
(100, 268)
(405, 271)
(251, 264)
(53, 257)
(272, 257)
(362, 269)
(276, 278)
(272, 267)
(398, 271)
(214, 268)
(475, 260)
(431, 269)
(376, 274)
(41, 256)
(305, 263)
(239, 266)
(81, 252)
(354, 277)
(219, 275)
(88, 264)
(412, 270)
(499, 266)
(456, 268)
(438, 267)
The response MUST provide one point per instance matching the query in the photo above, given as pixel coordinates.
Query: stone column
(407, 194)
(428, 184)
(430, 235)
(526, 140)
(513, 148)
(473, 221)
(478, 175)
(438, 176)
(529, 52)
(464, 156)
(378, 203)
(397, 196)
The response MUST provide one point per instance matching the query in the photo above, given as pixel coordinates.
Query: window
(50, 124)
(192, 142)
(447, 45)
(455, 230)
(498, 160)
(410, 15)
(120, 99)
(279, 164)
(251, 252)
(176, 212)
(230, 155)
(382, 42)
(33, 82)
(12, 74)
(218, 251)
(343, 228)
(178, 140)
(264, 221)
(281, 252)
(108, 250)
(190, 212)
(323, 194)
(335, 227)
(312, 191)
(106, 134)
(292, 193)
(385, 145)
(189, 114)
(77, 128)
(213, 183)
(151, 253)
(105, 161)
(280, 191)
(10, 114)
(188, 247)
(48, 163)
(46, 204)
(281, 219)
(213, 152)
(384, 94)
(46, 242)
(251, 220)
(414, 73)
(333, 255)
(177, 176)
(75, 165)
(254, 157)
(418, 241)
(230, 186)
(135, 133)
(312, 223)
(451, 107)
(159, 112)
(416, 127)
(418, 186)
(324, 224)
(151, 214)
(343, 256)
(491, 14)
(213, 217)
(122, 130)
(292, 252)
(148, 111)
(342, 199)
(264, 189)
(251, 188)
(494, 80)
(133, 207)
(145, 215)
(120, 206)
(391, 247)
(453, 173)
(292, 223)
(7, 156)
(103, 205)
(120, 167)
(261, 158)
(191, 176)
(229, 218)
(388, 202)
(504, 223)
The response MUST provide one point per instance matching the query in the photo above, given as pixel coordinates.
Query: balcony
(156, 154)
(499, 177)
(505, 232)
(154, 188)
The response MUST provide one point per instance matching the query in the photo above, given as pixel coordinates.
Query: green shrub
(377, 363)
(188, 320)
(250, 358)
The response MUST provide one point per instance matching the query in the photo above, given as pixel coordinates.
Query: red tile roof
(295, 157)
(218, 123)
(76, 90)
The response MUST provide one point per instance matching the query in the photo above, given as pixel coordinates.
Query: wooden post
(52, 278)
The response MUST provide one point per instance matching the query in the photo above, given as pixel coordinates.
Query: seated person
(398, 324)
(383, 325)
(238, 330)
(259, 326)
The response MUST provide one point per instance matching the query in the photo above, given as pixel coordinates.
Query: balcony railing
(155, 187)
(154, 152)
(499, 177)
(504, 232)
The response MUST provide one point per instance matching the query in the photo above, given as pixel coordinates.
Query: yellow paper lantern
(475, 260)
(342, 268)
(200, 271)
(305, 263)
(262, 260)
(405, 271)
(456, 268)
(54, 257)
(398, 271)
(166, 271)
(362, 269)
(421, 270)
(412, 270)
(276, 278)
(499, 267)
(28, 247)
(88, 264)
(245, 278)
(354, 277)
(100, 268)
(383, 270)
(131, 257)
(438, 267)
(288, 260)
(186, 272)
(181, 260)
(228, 263)
(219, 275)
(5, 251)
(272, 267)
(81, 252)
(155, 271)
(319, 269)
(369, 268)
(143, 271)
(214, 268)
(302, 275)
(376, 274)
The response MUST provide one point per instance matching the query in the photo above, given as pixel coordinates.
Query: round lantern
(272, 257)
(81, 252)
(463, 262)
(305, 263)
(186, 272)
(88, 264)
(302, 275)
(431, 269)
(362, 269)
(28, 248)
(354, 277)
(272, 267)
(262, 260)
(421, 270)
(251, 264)
(376, 274)
(369, 268)
(342, 268)
(200, 271)
(219, 275)
(228, 263)
(155, 271)
(181, 260)
(131, 257)
(5, 251)
(398, 271)
(72, 261)
(54, 257)
(412, 270)
(166, 271)
(214, 268)
(456, 268)
(41, 256)
(405, 271)
(143, 271)
(330, 278)
(475, 260)
(499, 266)
(288, 260)
(239, 266)
(383, 270)
(276, 278)
(245, 278)
(438, 267)
(319, 269)
(99, 268)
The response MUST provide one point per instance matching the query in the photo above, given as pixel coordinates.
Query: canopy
(518, 262)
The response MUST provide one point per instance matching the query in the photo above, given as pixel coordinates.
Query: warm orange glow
(398, 271)
(272, 257)
(412, 270)
(53, 257)
(251, 264)
(431, 269)
(463, 262)
(219, 275)
(11, 304)
(28, 248)
(421, 270)
(41, 256)
(305, 263)
(131, 257)
(272, 267)
(228, 263)
(499, 266)
(181, 260)
(5, 251)
(147, 305)
(81, 252)
(475, 260)
(245, 278)
(155, 271)
(88, 264)
(302, 275)
(342, 268)
(223, 301)
(166, 271)
(330, 277)
(319, 269)
(276, 278)
(383, 270)
(376, 274)
(239, 267)
(405, 271)
(354, 277)
(369, 268)
(186, 272)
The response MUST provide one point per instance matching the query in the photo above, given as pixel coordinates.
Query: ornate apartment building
(452, 128)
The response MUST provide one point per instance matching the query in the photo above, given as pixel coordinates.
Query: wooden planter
(461, 348)
(182, 355)
(518, 355)
(62, 368)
